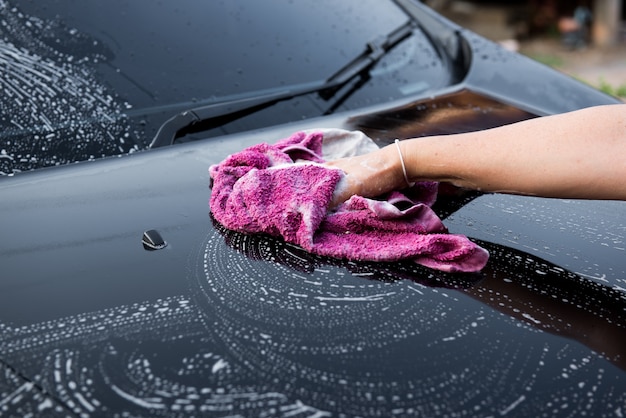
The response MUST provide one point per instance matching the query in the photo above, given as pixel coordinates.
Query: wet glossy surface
(220, 323)
(223, 324)
(85, 80)
(82, 80)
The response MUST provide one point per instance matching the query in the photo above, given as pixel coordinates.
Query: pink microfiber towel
(283, 190)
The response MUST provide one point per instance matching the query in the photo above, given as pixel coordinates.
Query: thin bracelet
(406, 178)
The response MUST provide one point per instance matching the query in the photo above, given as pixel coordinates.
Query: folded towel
(284, 190)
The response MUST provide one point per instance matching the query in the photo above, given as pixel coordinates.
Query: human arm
(580, 154)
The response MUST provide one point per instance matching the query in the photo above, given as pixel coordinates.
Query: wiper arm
(214, 115)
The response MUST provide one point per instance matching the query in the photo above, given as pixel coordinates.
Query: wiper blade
(214, 115)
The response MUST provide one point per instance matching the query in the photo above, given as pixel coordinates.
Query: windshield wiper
(214, 115)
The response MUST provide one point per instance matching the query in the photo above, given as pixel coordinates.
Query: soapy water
(146, 358)
(270, 330)
(53, 111)
(375, 338)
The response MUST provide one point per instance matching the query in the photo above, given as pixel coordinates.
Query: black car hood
(224, 323)
(220, 323)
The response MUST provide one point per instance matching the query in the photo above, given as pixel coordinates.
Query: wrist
(392, 174)
(418, 167)
(403, 164)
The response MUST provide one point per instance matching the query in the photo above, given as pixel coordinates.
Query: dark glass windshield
(85, 79)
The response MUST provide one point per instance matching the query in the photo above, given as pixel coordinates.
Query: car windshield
(82, 80)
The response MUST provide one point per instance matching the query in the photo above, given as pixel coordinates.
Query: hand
(368, 175)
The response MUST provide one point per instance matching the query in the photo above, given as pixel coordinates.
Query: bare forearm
(580, 154)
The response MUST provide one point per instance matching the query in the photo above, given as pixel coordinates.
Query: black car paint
(220, 323)
(215, 51)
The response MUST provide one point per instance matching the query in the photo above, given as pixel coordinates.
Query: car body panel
(220, 323)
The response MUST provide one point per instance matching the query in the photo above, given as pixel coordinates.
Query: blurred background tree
(596, 22)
